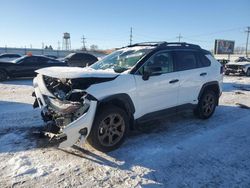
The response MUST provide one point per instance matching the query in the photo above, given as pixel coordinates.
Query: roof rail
(183, 44)
(167, 44)
(158, 43)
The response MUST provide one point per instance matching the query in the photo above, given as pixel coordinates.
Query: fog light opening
(83, 131)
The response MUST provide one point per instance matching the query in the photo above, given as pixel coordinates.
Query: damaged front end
(67, 109)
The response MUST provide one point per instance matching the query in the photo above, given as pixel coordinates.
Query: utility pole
(131, 36)
(58, 45)
(83, 43)
(247, 31)
(179, 37)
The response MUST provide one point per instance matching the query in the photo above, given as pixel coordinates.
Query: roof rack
(167, 44)
(183, 44)
(147, 44)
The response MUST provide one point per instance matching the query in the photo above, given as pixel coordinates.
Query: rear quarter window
(204, 61)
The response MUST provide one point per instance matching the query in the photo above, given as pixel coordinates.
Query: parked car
(240, 66)
(51, 56)
(223, 61)
(25, 66)
(79, 59)
(134, 84)
(8, 57)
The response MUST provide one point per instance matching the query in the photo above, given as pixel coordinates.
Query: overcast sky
(107, 23)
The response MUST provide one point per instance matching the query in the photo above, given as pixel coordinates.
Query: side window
(42, 60)
(76, 57)
(159, 63)
(204, 61)
(52, 61)
(185, 60)
(30, 60)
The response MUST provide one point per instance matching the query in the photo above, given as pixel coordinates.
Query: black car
(51, 56)
(9, 56)
(80, 59)
(25, 66)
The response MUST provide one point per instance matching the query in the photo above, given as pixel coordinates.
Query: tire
(206, 105)
(104, 131)
(3, 75)
(248, 72)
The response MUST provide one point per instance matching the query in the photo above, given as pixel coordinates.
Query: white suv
(134, 84)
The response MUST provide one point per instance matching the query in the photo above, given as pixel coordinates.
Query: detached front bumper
(78, 128)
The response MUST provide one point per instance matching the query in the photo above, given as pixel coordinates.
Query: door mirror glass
(155, 70)
(159, 63)
(151, 71)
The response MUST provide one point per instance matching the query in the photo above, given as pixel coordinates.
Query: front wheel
(109, 129)
(206, 105)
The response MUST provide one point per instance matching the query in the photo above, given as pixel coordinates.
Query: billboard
(224, 47)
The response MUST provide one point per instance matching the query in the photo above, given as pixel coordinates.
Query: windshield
(18, 59)
(69, 56)
(123, 59)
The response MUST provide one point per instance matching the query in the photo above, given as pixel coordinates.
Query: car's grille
(236, 67)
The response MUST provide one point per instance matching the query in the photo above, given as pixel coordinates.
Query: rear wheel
(206, 105)
(109, 129)
(3, 75)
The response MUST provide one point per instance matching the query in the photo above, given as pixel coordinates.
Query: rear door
(192, 75)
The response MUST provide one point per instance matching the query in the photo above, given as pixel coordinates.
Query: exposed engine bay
(67, 105)
(64, 101)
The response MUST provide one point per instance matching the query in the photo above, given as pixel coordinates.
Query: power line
(216, 32)
(247, 31)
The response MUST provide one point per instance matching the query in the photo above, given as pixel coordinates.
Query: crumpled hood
(76, 72)
(239, 63)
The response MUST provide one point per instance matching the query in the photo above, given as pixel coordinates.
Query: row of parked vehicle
(240, 66)
(15, 65)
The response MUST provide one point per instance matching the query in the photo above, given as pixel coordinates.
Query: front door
(160, 90)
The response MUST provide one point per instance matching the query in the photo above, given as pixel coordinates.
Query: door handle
(203, 74)
(173, 81)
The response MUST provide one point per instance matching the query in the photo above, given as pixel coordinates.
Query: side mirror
(145, 75)
(153, 71)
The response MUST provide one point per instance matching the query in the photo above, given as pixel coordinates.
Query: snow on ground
(181, 151)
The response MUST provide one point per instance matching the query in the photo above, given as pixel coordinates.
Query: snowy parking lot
(180, 151)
